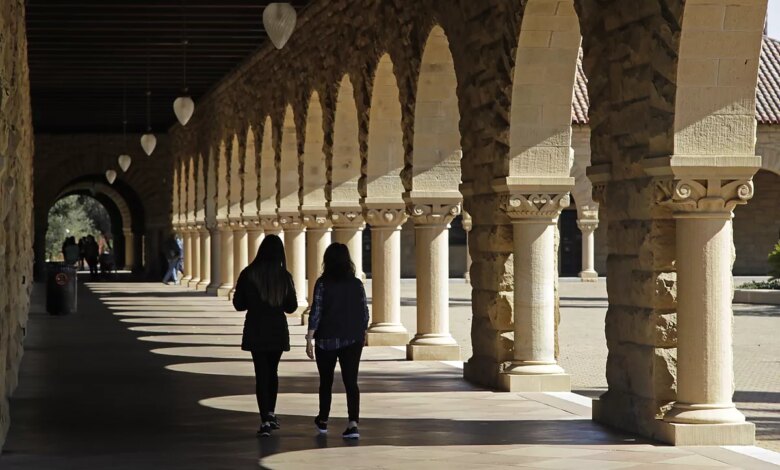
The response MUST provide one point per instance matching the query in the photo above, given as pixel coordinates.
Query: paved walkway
(149, 376)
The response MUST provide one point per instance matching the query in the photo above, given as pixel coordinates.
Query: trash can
(60, 289)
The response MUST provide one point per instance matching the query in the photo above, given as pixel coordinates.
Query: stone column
(348, 229)
(433, 341)
(587, 227)
(129, 249)
(225, 259)
(386, 328)
(534, 220)
(215, 251)
(195, 257)
(705, 369)
(254, 235)
(295, 249)
(467, 226)
(318, 238)
(187, 239)
(205, 259)
(240, 251)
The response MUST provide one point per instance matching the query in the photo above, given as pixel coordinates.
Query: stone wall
(757, 225)
(63, 162)
(16, 223)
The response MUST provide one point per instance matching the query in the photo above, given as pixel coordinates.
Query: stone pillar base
(589, 276)
(202, 286)
(482, 371)
(432, 352)
(224, 291)
(534, 383)
(212, 290)
(386, 339)
(734, 434)
(193, 284)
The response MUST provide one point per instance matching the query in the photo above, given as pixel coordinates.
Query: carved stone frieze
(423, 213)
(386, 217)
(347, 218)
(316, 221)
(711, 195)
(536, 205)
(270, 223)
(291, 222)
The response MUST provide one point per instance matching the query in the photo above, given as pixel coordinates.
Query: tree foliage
(74, 216)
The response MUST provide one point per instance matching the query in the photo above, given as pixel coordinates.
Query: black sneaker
(351, 433)
(274, 422)
(265, 430)
(322, 425)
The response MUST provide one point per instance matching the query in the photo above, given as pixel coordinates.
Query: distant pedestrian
(338, 320)
(70, 251)
(266, 290)
(172, 255)
(91, 255)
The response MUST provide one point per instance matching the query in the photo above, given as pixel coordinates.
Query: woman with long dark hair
(338, 320)
(266, 290)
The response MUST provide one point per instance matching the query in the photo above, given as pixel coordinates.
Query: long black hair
(268, 271)
(337, 264)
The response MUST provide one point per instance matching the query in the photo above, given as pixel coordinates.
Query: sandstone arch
(314, 165)
(289, 178)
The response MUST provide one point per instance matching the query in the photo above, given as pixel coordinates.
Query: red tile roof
(767, 90)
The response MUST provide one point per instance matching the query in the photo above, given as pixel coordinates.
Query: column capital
(534, 206)
(704, 197)
(347, 218)
(385, 217)
(252, 223)
(432, 212)
(291, 221)
(270, 223)
(236, 223)
(223, 225)
(588, 226)
(316, 220)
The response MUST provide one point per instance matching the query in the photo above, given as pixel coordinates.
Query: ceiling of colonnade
(83, 55)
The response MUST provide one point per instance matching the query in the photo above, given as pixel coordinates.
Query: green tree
(774, 262)
(96, 212)
(67, 218)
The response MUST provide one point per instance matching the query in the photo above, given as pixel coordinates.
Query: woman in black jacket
(338, 320)
(266, 290)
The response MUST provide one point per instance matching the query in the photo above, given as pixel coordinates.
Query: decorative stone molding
(291, 221)
(270, 223)
(316, 221)
(347, 218)
(711, 195)
(386, 217)
(468, 222)
(535, 205)
(587, 226)
(432, 213)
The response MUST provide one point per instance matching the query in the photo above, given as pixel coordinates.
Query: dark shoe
(274, 422)
(322, 425)
(351, 433)
(265, 430)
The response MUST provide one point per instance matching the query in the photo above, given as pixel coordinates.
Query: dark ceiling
(83, 55)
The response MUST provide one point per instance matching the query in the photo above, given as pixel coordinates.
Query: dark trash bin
(61, 290)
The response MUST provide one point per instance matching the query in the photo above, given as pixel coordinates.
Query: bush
(772, 284)
(774, 262)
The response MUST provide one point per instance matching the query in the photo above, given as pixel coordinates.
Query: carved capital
(270, 224)
(711, 195)
(588, 226)
(316, 221)
(432, 213)
(347, 218)
(534, 206)
(386, 217)
(291, 221)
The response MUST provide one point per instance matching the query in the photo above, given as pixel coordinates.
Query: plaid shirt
(315, 314)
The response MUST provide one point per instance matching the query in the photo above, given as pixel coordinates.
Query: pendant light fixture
(148, 140)
(279, 20)
(183, 106)
(124, 159)
(110, 176)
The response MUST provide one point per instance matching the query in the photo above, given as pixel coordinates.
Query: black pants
(266, 380)
(349, 359)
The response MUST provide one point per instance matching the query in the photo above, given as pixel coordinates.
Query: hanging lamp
(279, 21)
(183, 106)
(110, 176)
(148, 140)
(124, 159)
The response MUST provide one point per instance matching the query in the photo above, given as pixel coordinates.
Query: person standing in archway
(172, 255)
(338, 321)
(266, 291)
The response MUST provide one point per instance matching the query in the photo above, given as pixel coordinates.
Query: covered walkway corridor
(149, 376)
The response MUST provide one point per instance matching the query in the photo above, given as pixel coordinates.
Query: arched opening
(78, 216)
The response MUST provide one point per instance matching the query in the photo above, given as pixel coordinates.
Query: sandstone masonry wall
(16, 186)
(757, 226)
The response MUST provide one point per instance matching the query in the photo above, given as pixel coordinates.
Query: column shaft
(588, 227)
(352, 237)
(240, 253)
(129, 250)
(195, 258)
(226, 261)
(255, 237)
(317, 241)
(187, 238)
(295, 248)
(386, 328)
(205, 260)
(215, 256)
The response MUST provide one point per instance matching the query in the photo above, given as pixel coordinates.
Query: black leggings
(349, 359)
(266, 380)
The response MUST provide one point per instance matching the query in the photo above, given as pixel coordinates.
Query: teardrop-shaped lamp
(110, 176)
(124, 162)
(148, 142)
(279, 21)
(183, 107)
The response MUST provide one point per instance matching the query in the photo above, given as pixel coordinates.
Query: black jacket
(265, 327)
(343, 310)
